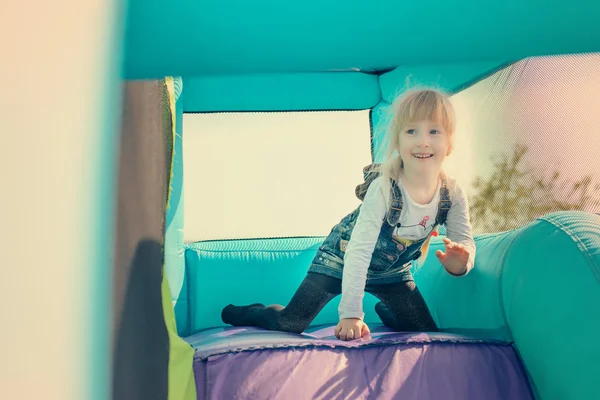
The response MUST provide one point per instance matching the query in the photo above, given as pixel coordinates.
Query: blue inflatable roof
(205, 37)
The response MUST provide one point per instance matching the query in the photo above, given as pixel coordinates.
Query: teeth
(423, 155)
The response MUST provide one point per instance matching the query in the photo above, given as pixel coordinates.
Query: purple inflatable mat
(251, 363)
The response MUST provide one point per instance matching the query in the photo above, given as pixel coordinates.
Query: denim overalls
(391, 260)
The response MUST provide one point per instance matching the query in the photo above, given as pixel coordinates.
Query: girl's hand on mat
(455, 258)
(351, 328)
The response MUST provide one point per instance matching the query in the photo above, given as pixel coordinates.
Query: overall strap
(370, 172)
(444, 204)
(396, 203)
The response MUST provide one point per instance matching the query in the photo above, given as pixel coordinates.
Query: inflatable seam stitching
(204, 355)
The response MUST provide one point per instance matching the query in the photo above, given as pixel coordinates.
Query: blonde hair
(413, 105)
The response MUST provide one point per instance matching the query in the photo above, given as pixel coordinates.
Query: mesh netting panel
(532, 132)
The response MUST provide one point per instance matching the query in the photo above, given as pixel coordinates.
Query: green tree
(515, 194)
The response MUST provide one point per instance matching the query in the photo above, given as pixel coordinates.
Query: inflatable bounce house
(226, 139)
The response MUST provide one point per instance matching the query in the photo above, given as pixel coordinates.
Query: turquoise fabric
(270, 270)
(249, 271)
(281, 92)
(551, 293)
(321, 91)
(174, 241)
(472, 304)
(192, 38)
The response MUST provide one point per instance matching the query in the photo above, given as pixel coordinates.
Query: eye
(410, 131)
(434, 132)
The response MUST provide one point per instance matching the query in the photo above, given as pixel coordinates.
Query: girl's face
(423, 145)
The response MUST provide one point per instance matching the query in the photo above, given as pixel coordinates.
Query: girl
(404, 199)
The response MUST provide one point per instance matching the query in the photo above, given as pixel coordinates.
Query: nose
(424, 140)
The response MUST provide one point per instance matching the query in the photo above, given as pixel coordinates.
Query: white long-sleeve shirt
(416, 222)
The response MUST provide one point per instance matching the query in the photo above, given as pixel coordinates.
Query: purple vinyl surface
(251, 363)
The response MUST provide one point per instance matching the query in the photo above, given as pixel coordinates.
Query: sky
(271, 174)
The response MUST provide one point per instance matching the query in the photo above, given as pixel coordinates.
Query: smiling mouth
(423, 155)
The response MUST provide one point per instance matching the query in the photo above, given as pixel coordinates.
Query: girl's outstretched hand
(455, 258)
(351, 328)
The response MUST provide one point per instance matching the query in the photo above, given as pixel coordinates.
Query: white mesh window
(250, 175)
(529, 141)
